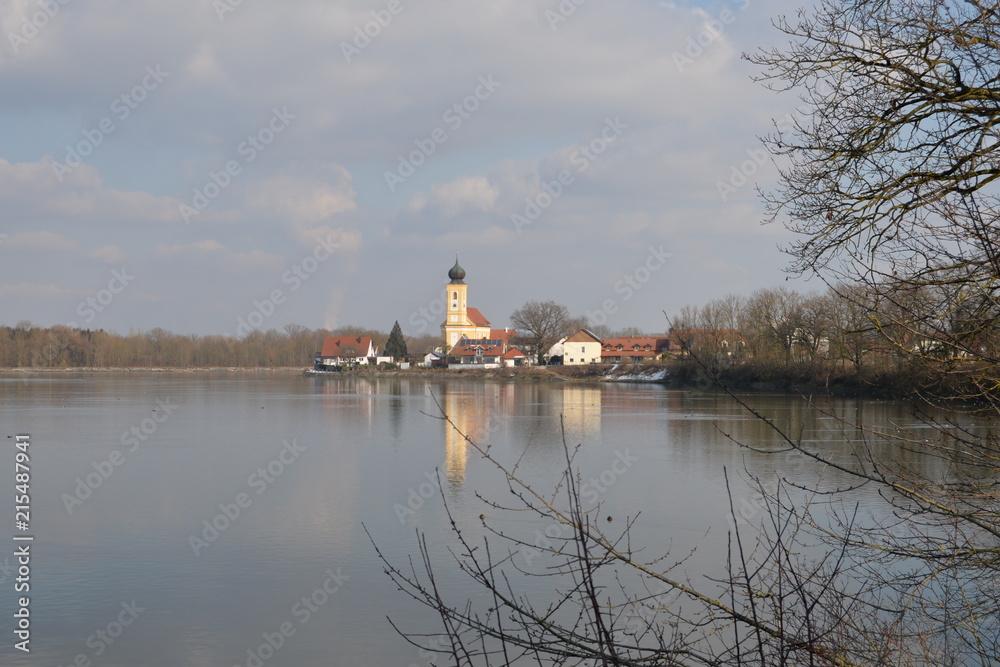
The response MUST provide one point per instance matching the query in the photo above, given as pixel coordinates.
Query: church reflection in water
(485, 413)
(477, 412)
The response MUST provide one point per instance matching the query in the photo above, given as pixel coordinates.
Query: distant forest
(28, 346)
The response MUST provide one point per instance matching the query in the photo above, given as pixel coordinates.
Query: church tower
(457, 314)
(461, 320)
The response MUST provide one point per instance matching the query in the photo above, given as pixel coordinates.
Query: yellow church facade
(460, 320)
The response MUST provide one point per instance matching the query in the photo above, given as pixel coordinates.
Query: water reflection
(581, 411)
(369, 440)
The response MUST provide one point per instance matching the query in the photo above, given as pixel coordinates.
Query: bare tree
(890, 169)
(540, 324)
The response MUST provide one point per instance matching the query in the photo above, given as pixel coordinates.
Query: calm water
(127, 468)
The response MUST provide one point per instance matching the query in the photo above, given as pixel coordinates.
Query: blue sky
(211, 153)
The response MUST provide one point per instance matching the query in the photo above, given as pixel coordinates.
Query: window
(583, 350)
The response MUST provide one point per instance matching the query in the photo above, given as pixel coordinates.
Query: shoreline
(666, 376)
(141, 369)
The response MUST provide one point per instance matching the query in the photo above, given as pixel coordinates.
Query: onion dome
(457, 273)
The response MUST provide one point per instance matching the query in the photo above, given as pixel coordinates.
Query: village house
(342, 351)
(583, 347)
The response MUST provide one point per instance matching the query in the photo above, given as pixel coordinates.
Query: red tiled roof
(346, 346)
(513, 353)
(503, 334)
(476, 317)
(628, 343)
(467, 348)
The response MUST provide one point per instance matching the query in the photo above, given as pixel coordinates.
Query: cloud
(38, 241)
(211, 253)
(308, 205)
(452, 198)
(689, 121)
(33, 192)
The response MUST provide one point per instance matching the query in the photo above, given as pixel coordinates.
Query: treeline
(28, 346)
(844, 335)
(783, 325)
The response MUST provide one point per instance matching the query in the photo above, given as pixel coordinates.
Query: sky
(216, 166)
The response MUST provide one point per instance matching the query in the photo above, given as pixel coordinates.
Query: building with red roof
(339, 351)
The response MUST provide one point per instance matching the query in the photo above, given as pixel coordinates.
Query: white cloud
(463, 193)
(308, 205)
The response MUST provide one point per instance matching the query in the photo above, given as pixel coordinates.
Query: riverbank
(750, 377)
(138, 369)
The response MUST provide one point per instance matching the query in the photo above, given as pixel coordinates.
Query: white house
(582, 347)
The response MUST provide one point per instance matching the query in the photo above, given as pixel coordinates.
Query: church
(460, 320)
(467, 334)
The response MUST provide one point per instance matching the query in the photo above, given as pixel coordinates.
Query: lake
(183, 518)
